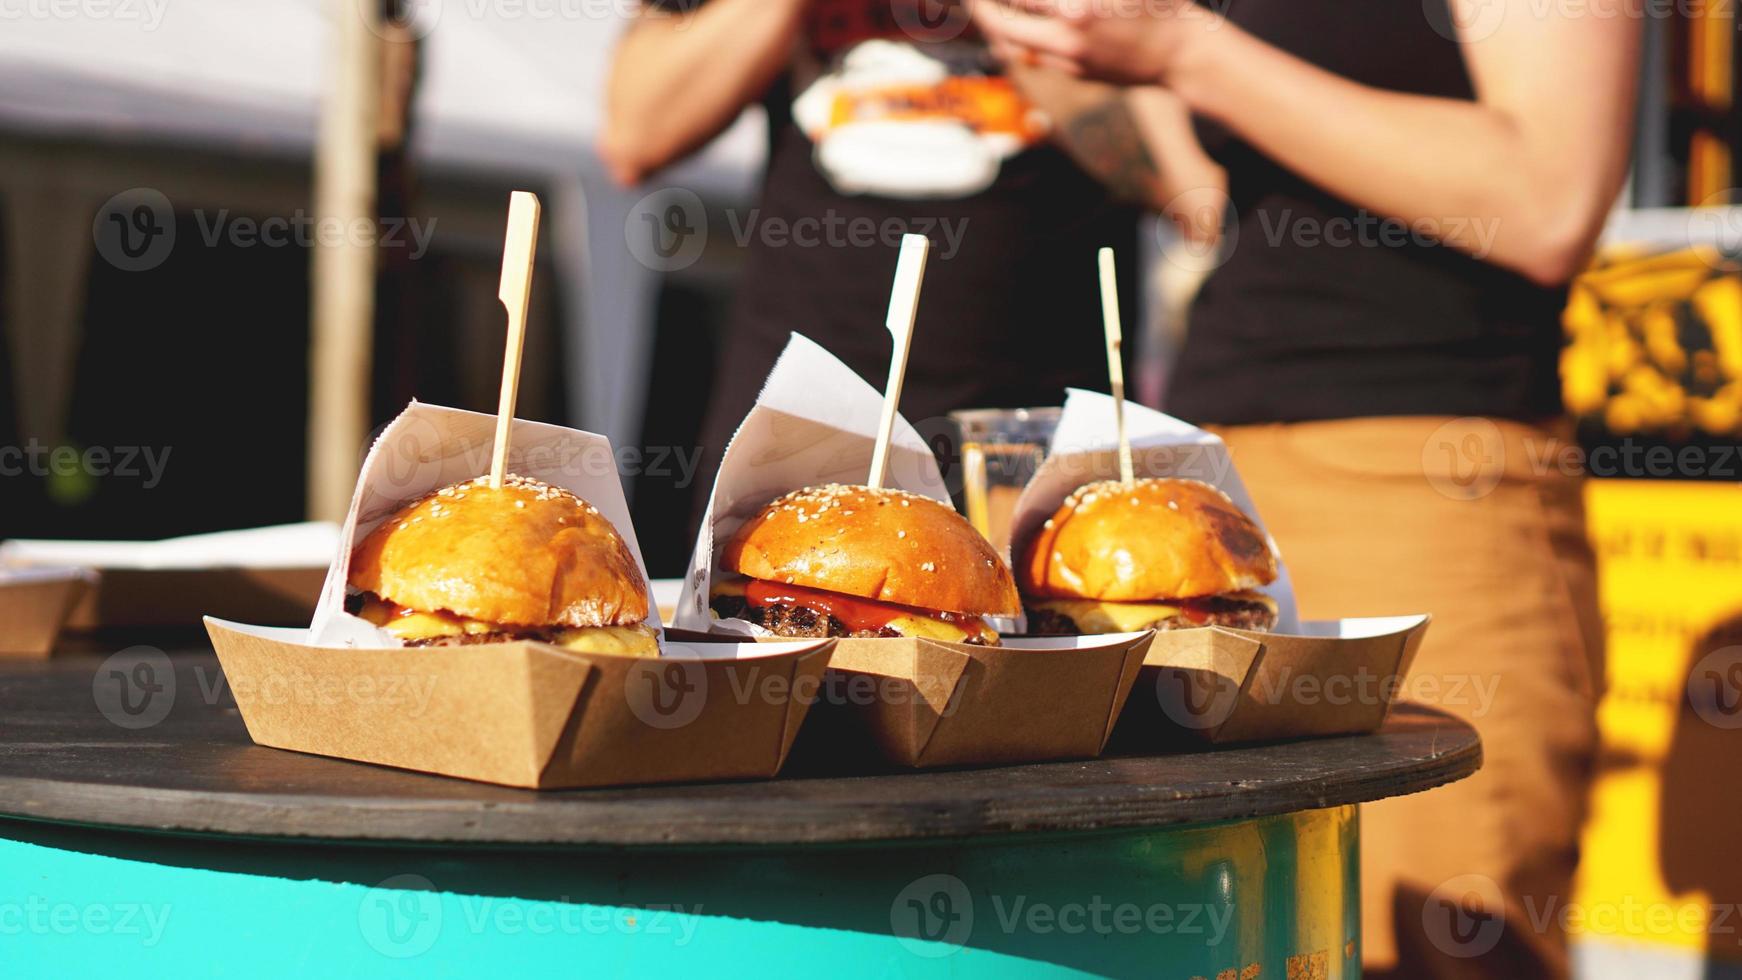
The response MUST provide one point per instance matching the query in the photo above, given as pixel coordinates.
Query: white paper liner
(35, 574)
(429, 447)
(305, 545)
(1085, 449)
(815, 422)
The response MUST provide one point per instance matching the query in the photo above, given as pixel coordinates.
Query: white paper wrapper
(1085, 449)
(1360, 629)
(306, 545)
(1089, 642)
(34, 574)
(429, 447)
(815, 422)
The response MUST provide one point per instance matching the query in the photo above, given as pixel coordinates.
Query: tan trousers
(1478, 523)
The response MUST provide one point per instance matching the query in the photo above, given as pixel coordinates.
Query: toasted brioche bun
(527, 555)
(886, 545)
(1152, 540)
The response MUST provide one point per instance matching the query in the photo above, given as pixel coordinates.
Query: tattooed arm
(1137, 141)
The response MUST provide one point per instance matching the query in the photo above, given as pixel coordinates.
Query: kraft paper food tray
(35, 604)
(815, 422)
(526, 714)
(1084, 450)
(1336, 677)
(922, 703)
(264, 575)
(523, 714)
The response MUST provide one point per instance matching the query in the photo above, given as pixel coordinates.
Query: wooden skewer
(1115, 360)
(518, 252)
(903, 307)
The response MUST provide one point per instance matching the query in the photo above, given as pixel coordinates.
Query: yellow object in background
(1662, 854)
(1655, 344)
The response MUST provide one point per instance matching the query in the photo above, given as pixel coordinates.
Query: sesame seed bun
(527, 555)
(885, 545)
(1153, 540)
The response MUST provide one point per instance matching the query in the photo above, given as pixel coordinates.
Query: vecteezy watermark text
(147, 13)
(39, 916)
(832, 229)
(1364, 229)
(417, 19)
(304, 230)
(125, 462)
(135, 230)
(413, 458)
(405, 915)
(137, 688)
(1466, 458)
(935, 915)
(1467, 916)
(668, 230)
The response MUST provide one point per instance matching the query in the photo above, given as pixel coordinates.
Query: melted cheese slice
(1109, 617)
(1093, 616)
(929, 628)
(622, 641)
(409, 625)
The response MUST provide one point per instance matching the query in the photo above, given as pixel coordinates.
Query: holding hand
(1125, 41)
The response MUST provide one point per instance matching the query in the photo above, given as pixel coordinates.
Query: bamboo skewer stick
(1115, 360)
(519, 250)
(903, 307)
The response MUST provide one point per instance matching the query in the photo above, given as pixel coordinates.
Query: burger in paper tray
(518, 616)
(793, 544)
(1183, 551)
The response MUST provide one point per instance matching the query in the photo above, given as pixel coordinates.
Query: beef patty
(797, 621)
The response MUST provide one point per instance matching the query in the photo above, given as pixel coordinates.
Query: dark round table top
(195, 771)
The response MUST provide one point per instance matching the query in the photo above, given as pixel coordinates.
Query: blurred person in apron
(1408, 188)
(889, 117)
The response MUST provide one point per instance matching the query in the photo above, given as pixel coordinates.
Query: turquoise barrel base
(1275, 897)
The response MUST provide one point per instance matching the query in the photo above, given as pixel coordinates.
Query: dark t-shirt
(1010, 312)
(1321, 310)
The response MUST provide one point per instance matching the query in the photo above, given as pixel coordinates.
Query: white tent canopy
(508, 86)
